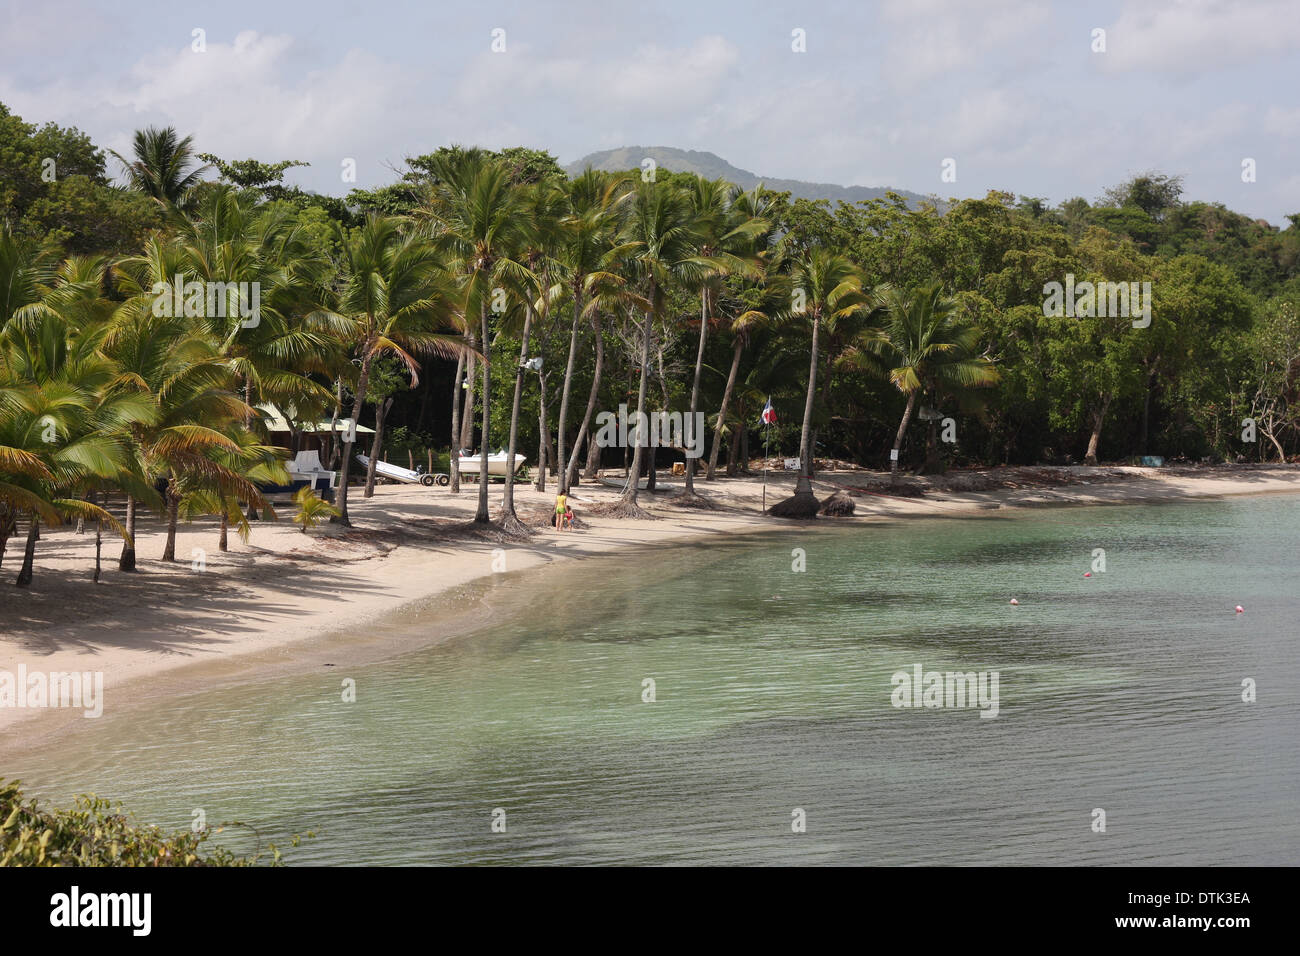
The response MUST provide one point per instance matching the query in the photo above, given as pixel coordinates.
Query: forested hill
(712, 166)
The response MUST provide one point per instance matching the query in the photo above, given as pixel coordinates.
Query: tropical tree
(825, 288)
(61, 428)
(597, 204)
(662, 252)
(926, 347)
(163, 165)
(478, 223)
(395, 294)
(541, 205)
(759, 304)
(727, 233)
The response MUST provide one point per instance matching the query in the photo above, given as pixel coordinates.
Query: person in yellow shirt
(561, 506)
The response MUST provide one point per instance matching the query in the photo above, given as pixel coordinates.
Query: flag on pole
(769, 413)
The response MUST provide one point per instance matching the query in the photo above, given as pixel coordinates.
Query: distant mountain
(712, 166)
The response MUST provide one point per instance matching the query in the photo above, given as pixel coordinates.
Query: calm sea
(1120, 692)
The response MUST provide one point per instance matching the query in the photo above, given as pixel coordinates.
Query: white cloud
(941, 38)
(1198, 36)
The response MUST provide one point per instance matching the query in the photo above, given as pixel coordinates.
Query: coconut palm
(541, 205)
(759, 305)
(62, 433)
(163, 166)
(475, 210)
(662, 251)
(727, 236)
(597, 204)
(927, 348)
(826, 288)
(395, 294)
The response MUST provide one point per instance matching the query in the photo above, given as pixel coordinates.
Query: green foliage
(311, 508)
(97, 833)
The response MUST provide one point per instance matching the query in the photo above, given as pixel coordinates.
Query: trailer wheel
(444, 480)
(426, 480)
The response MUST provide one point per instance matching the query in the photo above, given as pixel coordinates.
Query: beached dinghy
(404, 475)
(469, 464)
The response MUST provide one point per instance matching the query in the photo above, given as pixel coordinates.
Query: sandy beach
(289, 600)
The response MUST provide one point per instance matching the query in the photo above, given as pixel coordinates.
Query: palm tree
(827, 288)
(727, 234)
(62, 432)
(597, 204)
(163, 166)
(662, 252)
(927, 348)
(196, 435)
(761, 305)
(395, 293)
(541, 205)
(476, 213)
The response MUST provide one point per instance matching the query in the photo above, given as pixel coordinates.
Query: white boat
(497, 463)
(404, 475)
(306, 467)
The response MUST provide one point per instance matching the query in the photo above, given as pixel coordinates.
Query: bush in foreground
(97, 833)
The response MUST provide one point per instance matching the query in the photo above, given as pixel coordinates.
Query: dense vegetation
(424, 307)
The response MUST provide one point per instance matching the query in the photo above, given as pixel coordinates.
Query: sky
(1015, 92)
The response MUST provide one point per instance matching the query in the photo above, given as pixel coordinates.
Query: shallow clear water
(1121, 691)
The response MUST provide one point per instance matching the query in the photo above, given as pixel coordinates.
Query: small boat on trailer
(404, 475)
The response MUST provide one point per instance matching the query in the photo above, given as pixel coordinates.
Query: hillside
(713, 166)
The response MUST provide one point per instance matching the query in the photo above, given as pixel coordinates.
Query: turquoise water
(773, 692)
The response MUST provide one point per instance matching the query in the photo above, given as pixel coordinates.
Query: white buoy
(1015, 602)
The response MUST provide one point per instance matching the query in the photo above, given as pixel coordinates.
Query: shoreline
(237, 621)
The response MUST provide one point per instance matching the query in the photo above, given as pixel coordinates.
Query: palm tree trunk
(381, 413)
(593, 460)
(99, 547)
(454, 463)
(466, 438)
(564, 393)
(592, 397)
(29, 554)
(508, 504)
(363, 383)
(543, 433)
(804, 486)
(898, 439)
(695, 390)
(481, 516)
(722, 410)
(126, 562)
(223, 541)
(6, 528)
(634, 473)
(173, 512)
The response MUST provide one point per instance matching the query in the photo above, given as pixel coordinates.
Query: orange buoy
(1240, 609)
